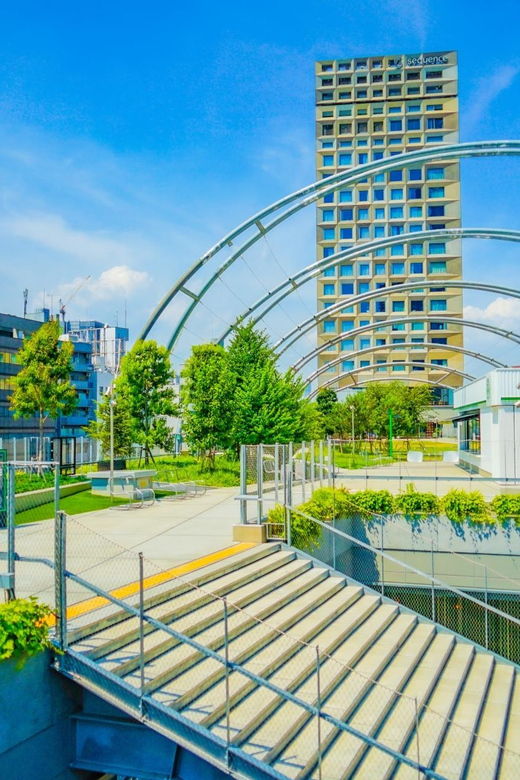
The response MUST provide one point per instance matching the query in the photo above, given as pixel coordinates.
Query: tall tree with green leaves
(207, 400)
(43, 387)
(123, 429)
(146, 385)
(326, 401)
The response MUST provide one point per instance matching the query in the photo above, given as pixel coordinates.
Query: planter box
(33, 498)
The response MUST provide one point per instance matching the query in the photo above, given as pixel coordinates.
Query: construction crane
(63, 306)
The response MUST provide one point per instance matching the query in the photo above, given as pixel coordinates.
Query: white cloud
(50, 231)
(118, 281)
(502, 312)
(489, 88)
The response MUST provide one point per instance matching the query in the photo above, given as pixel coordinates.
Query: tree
(326, 401)
(207, 400)
(123, 430)
(145, 386)
(43, 387)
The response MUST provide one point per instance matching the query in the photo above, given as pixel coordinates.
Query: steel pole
(11, 514)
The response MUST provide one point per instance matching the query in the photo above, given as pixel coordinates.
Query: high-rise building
(367, 109)
(108, 342)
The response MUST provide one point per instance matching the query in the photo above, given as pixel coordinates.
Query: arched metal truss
(397, 347)
(507, 334)
(445, 369)
(306, 196)
(289, 285)
(364, 382)
(309, 323)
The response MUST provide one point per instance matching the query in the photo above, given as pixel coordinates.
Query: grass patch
(186, 467)
(25, 482)
(73, 505)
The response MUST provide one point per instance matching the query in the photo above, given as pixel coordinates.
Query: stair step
(163, 668)
(433, 720)
(110, 614)
(458, 739)
(510, 764)
(180, 601)
(264, 727)
(328, 640)
(124, 658)
(485, 756)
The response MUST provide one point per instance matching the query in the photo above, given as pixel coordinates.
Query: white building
(488, 424)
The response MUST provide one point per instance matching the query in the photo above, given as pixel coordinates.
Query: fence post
(243, 483)
(318, 707)
(276, 471)
(329, 460)
(56, 487)
(289, 472)
(60, 579)
(141, 629)
(228, 705)
(417, 739)
(10, 531)
(487, 610)
(321, 462)
(259, 481)
(304, 468)
(433, 584)
(382, 559)
(312, 466)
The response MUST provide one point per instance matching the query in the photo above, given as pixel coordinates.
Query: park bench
(137, 497)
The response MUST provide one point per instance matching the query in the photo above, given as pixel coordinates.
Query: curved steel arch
(314, 191)
(345, 374)
(309, 323)
(406, 345)
(507, 334)
(292, 283)
(364, 382)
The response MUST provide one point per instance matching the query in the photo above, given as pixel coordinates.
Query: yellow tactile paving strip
(155, 579)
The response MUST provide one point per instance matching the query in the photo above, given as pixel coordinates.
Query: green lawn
(73, 505)
(187, 467)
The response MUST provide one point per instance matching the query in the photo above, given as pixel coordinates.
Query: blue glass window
(328, 198)
(380, 253)
(347, 365)
(417, 325)
(363, 287)
(363, 232)
(364, 307)
(396, 212)
(439, 305)
(380, 342)
(345, 232)
(398, 268)
(380, 307)
(328, 251)
(379, 231)
(434, 123)
(435, 173)
(416, 228)
(363, 196)
(328, 234)
(346, 270)
(414, 174)
(439, 340)
(347, 325)
(347, 344)
(396, 230)
(327, 215)
(416, 268)
(329, 271)
(329, 326)
(414, 124)
(438, 267)
(364, 269)
(364, 343)
(415, 212)
(436, 211)
(362, 214)
(396, 194)
(380, 269)
(437, 249)
(397, 306)
(379, 213)
(345, 159)
(362, 158)
(379, 194)
(416, 305)
(347, 289)
(345, 196)
(436, 192)
(329, 289)
(328, 159)
(416, 249)
(414, 193)
(396, 175)
(397, 250)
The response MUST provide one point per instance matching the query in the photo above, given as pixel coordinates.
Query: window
(328, 198)
(377, 156)
(379, 194)
(413, 75)
(416, 249)
(326, 67)
(416, 305)
(347, 289)
(362, 142)
(398, 327)
(326, 95)
(395, 125)
(346, 270)
(434, 123)
(345, 233)
(436, 211)
(394, 77)
(347, 325)
(397, 250)
(438, 326)
(397, 306)
(345, 95)
(434, 74)
(328, 234)
(435, 173)
(414, 140)
(414, 193)
(396, 212)
(397, 365)
(395, 142)
(437, 249)
(364, 343)
(439, 340)
(397, 268)
(364, 307)
(361, 79)
(329, 326)
(362, 158)
(415, 212)
(379, 232)
(439, 305)
(398, 341)
(363, 287)
(433, 89)
(329, 271)
(379, 213)
(329, 289)
(346, 214)
(326, 114)
(396, 175)
(417, 325)
(345, 159)
(327, 145)
(380, 253)
(328, 251)
(380, 285)
(328, 159)
(414, 174)
(362, 214)
(413, 90)
(362, 127)
(363, 232)
(416, 268)
(327, 215)
(345, 144)
(416, 228)
(438, 267)
(414, 124)
(394, 91)
(344, 80)
(364, 363)
(396, 230)
(380, 269)
(396, 194)
(364, 269)
(417, 365)
(347, 365)
(378, 127)
(347, 344)
(345, 196)
(344, 66)
(377, 78)
(434, 139)
(437, 362)
(436, 192)
(380, 342)
(345, 128)
(413, 109)
(363, 196)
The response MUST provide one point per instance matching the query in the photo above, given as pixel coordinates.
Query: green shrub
(459, 506)
(506, 506)
(304, 532)
(411, 502)
(23, 629)
(377, 501)
(327, 504)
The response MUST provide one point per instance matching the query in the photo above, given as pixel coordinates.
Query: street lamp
(111, 403)
(353, 409)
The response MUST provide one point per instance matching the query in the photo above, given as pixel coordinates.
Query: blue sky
(134, 135)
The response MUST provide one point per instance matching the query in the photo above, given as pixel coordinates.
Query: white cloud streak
(502, 312)
(488, 89)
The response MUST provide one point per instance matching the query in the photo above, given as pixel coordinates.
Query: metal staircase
(274, 665)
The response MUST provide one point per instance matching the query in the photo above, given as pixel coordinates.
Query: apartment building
(368, 109)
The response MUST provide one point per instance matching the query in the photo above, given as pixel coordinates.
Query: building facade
(108, 341)
(367, 109)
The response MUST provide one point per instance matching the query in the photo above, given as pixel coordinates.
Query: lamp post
(353, 409)
(390, 433)
(111, 403)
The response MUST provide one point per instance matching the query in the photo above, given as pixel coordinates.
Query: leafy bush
(23, 629)
(460, 506)
(506, 506)
(411, 502)
(327, 504)
(378, 501)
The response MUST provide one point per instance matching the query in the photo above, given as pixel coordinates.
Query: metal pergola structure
(304, 197)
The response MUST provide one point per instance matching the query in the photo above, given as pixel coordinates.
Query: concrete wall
(35, 498)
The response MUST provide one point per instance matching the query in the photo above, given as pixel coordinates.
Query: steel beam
(364, 382)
